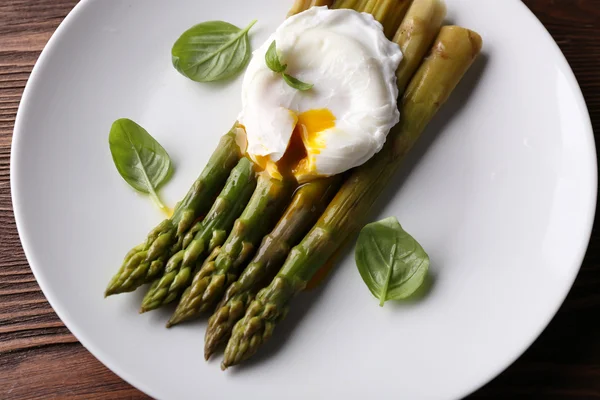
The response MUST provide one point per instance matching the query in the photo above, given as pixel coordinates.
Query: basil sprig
(274, 63)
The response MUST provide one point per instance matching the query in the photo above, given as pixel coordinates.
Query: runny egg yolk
(305, 142)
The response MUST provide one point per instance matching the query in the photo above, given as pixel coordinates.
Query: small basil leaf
(272, 59)
(296, 84)
(390, 261)
(212, 51)
(139, 158)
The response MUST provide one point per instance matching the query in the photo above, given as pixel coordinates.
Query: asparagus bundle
(147, 260)
(237, 299)
(209, 233)
(214, 277)
(453, 52)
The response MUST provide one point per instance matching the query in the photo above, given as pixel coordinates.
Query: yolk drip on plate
(305, 142)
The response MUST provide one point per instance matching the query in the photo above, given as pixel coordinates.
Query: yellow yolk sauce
(310, 125)
(298, 159)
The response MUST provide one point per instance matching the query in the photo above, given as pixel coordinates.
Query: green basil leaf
(390, 261)
(296, 84)
(212, 51)
(139, 158)
(274, 64)
(272, 59)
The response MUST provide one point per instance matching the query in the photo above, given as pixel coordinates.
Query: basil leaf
(139, 158)
(296, 83)
(212, 51)
(272, 59)
(390, 261)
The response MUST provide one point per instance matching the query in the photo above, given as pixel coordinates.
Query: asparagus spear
(214, 277)
(146, 261)
(416, 32)
(240, 294)
(211, 233)
(389, 12)
(307, 205)
(452, 54)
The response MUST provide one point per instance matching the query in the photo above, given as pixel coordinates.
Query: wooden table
(39, 358)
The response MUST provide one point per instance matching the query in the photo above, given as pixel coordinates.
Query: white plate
(501, 192)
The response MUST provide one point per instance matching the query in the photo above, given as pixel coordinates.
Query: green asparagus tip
(221, 323)
(211, 345)
(264, 312)
(176, 320)
(150, 305)
(248, 335)
(213, 336)
(209, 350)
(116, 288)
(182, 316)
(173, 321)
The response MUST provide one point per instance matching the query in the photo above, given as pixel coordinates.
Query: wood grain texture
(40, 359)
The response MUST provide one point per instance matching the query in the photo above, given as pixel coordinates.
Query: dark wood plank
(40, 359)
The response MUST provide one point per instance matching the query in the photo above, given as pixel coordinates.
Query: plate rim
(138, 384)
(574, 84)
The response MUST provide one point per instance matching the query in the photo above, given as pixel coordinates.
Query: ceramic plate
(500, 191)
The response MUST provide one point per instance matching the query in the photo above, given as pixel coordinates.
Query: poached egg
(344, 119)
